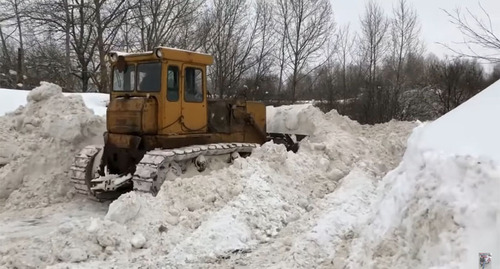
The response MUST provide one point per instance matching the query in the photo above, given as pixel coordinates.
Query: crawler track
(155, 166)
(83, 170)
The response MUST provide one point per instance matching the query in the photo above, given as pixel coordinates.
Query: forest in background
(279, 51)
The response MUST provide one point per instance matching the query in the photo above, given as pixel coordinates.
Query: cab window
(193, 88)
(149, 77)
(124, 81)
(173, 83)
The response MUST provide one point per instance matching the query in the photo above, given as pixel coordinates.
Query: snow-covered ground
(354, 196)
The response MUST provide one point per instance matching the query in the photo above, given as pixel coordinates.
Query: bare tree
(67, 45)
(344, 57)
(477, 32)
(6, 58)
(73, 19)
(455, 81)
(109, 18)
(162, 22)
(405, 34)
(280, 54)
(231, 39)
(45, 60)
(265, 44)
(373, 43)
(89, 29)
(304, 26)
(14, 9)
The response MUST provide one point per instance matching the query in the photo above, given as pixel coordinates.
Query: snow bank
(433, 211)
(439, 208)
(37, 142)
(10, 100)
(470, 129)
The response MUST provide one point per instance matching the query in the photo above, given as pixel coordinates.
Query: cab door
(171, 110)
(193, 100)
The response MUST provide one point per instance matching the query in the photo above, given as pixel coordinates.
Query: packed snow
(289, 119)
(353, 196)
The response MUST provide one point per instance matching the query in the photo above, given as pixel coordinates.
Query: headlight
(158, 53)
(113, 57)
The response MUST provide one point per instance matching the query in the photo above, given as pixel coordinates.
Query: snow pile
(440, 207)
(433, 211)
(345, 142)
(10, 100)
(271, 196)
(317, 236)
(424, 211)
(470, 129)
(37, 142)
(292, 119)
(205, 218)
(96, 102)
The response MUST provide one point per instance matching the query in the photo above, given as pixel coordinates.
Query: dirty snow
(353, 196)
(433, 211)
(36, 143)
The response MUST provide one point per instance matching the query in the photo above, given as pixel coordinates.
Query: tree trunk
(103, 71)
(20, 52)
(282, 63)
(20, 56)
(67, 56)
(6, 57)
(85, 79)
(294, 81)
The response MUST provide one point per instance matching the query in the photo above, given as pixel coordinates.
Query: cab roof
(165, 53)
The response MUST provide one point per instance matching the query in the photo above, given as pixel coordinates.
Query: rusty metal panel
(150, 117)
(218, 117)
(258, 112)
(123, 141)
(134, 115)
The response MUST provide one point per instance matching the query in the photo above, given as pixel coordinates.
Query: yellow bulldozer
(160, 120)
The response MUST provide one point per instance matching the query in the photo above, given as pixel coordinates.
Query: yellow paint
(194, 114)
(258, 112)
(170, 111)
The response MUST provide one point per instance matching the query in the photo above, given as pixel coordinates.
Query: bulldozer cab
(169, 83)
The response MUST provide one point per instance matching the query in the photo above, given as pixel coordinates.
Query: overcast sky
(435, 24)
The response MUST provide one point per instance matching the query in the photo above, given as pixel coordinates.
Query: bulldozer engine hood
(132, 115)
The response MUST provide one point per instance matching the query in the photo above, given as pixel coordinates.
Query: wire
(193, 130)
(178, 119)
